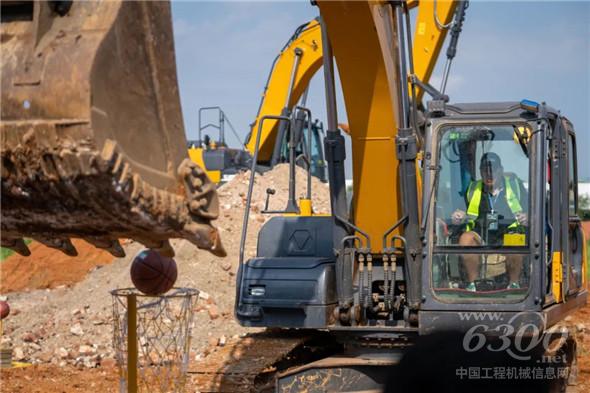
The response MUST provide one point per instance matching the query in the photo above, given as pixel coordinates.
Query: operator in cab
(496, 206)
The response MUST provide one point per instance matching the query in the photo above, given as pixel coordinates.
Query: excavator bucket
(93, 143)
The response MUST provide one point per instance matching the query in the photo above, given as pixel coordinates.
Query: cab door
(574, 275)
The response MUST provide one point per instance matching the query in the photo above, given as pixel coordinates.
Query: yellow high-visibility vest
(475, 199)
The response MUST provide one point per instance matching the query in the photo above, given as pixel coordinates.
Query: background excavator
(287, 82)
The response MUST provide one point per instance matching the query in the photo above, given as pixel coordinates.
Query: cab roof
(501, 109)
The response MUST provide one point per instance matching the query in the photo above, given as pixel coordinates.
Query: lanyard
(493, 201)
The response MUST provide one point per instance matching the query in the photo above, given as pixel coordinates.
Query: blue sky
(507, 51)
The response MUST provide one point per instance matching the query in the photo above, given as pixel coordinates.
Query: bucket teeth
(17, 245)
(111, 245)
(166, 249)
(101, 204)
(115, 249)
(163, 247)
(62, 244)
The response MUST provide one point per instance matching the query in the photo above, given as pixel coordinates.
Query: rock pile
(73, 325)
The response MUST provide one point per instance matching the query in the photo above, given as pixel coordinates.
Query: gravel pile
(73, 325)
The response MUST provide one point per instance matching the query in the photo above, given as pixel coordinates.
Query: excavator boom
(92, 137)
(290, 75)
(301, 58)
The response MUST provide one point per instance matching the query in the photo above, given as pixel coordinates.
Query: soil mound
(50, 268)
(72, 325)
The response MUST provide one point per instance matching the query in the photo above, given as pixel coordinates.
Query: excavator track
(298, 361)
(92, 137)
(251, 363)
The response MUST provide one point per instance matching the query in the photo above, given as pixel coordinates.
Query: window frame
(435, 249)
(481, 249)
(572, 164)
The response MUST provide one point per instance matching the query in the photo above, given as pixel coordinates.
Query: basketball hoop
(152, 338)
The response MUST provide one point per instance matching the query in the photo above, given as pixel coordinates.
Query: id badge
(492, 219)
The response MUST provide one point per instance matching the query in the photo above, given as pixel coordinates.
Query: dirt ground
(582, 320)
(55, 379)
(50, 268)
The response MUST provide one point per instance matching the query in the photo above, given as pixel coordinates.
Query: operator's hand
(522, 219)
(458, 217)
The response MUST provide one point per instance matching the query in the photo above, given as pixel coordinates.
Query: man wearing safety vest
(496, 206)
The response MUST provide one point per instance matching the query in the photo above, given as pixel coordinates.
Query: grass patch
(5, 253)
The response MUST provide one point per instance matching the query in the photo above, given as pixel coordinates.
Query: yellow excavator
(92, 136)
(465, 221)
(221, 162)
(286, 85)
(93, 147)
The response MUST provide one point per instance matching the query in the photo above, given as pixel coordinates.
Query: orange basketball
(152, 273)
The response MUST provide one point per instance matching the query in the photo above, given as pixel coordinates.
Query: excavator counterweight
(92, 136)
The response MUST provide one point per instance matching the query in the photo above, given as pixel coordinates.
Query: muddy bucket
(92, 136)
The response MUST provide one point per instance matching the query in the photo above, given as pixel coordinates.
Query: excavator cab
(92, 136)
(482, 200)
(507, 244)
(497, 235)
(316, 154)
(221, 162)
(211, 152)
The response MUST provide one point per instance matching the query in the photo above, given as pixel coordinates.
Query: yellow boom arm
(429, 36)
(286, 84)
(367, 60)
(368, 77)
(290, 75)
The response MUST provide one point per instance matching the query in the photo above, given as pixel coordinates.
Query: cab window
(482, 204)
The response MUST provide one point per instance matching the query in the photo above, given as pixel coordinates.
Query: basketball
(4, 309)
(152, 273)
